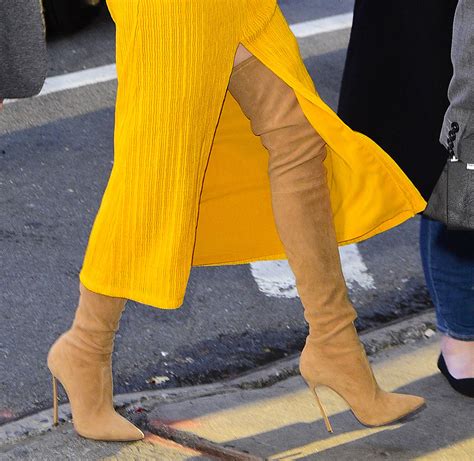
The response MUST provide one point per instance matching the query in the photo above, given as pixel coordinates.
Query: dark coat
(396, 80)
(460, 140)
(23, 63)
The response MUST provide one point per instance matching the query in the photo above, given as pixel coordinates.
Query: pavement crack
(198, 443)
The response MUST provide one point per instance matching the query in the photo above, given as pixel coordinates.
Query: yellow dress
(189, 185)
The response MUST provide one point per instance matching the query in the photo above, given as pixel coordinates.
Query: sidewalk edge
(395, 334)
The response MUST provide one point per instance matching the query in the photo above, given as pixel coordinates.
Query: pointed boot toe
(111, 427)
(125, 431)
(134, 434)
(407, 405)
(391, 407)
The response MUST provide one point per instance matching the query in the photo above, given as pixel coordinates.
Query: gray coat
(457, 133)
(23, 63)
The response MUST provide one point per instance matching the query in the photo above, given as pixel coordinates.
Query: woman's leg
(81, 359)
(173, 75)
(448, 262)
(333, 354)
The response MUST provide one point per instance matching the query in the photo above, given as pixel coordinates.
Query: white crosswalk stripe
(276, 279)
(323, 25)
(108, 72)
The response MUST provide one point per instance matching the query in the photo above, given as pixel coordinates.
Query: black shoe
(463, 386)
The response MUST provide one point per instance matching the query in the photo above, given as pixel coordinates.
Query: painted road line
(276, 279)
(76, 80)
(323, 25)
(108, 73)
(355, 269)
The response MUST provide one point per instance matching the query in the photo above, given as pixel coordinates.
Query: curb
(204, 446)
(408, 330)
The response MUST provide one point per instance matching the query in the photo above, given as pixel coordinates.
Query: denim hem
(451, 334)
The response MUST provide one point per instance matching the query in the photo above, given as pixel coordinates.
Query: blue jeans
(448, 263)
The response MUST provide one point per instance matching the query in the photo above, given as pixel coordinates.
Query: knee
(241, 55)
(298, 155)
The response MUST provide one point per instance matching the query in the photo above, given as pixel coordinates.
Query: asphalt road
(55, 159)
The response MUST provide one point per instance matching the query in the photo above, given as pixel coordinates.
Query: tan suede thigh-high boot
(81, 359)
(333, 354)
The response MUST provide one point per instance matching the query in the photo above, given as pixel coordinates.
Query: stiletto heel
(55, 402)
(323, 411)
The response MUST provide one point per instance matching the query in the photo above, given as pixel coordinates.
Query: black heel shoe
(463, 386)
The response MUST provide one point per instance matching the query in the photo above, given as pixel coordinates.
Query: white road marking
(323, 25)
(276, 279)
(78, 79)
(108, 73)
(355, 269)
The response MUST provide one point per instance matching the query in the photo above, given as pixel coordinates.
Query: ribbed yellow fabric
(189, 184)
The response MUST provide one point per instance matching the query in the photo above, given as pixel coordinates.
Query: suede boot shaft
(333, 355)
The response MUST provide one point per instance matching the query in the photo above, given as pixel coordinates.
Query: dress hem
(390, 223)
(107, 290)
(172, 304)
